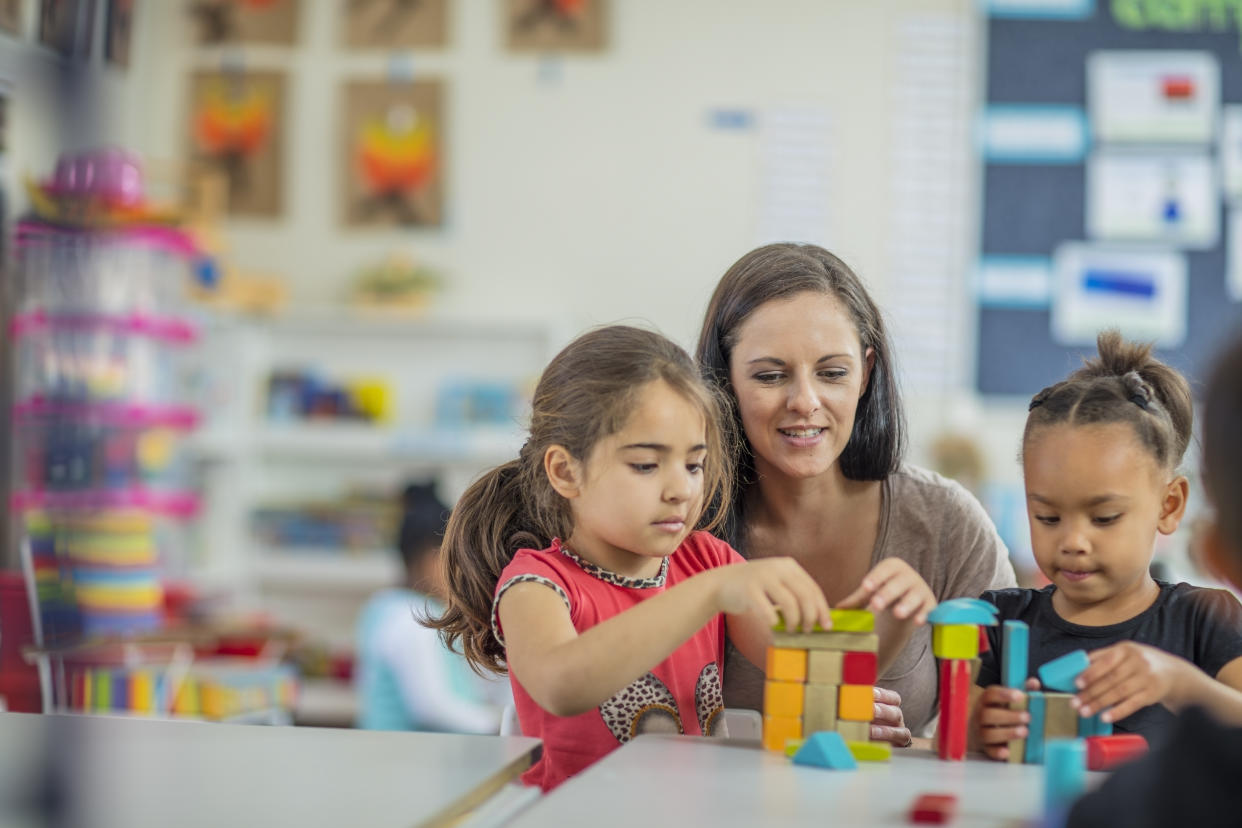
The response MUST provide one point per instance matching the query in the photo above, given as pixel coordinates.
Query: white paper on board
(1153, 97)
(1168, 197)
(1140, 290)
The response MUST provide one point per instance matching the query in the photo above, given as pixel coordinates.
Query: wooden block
(779, 729)
(854, 731)
(1094, 726)
(1059, 674)
(1014, 658)
(858, 668)
(825, 750)
(856, 703)
(957, 642)
(1017, 747)
(954, 709)
(819, 711)
(1107, 752)
(792, 746)
(853, 641)
(1035, 737)
(843, 620)
(933, 809)
(784, 698)
(852, 620)
(786, 664)
(871, 751)
(983, 639)
(1060, 719)
(825, 666)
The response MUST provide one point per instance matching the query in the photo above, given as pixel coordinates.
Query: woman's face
(798, 370)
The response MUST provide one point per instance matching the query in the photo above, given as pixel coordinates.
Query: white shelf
(328, 569)
(350, 441)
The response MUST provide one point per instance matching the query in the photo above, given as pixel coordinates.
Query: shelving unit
(245, 460)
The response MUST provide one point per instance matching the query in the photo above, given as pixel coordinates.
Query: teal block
(964, 611)
(1094, 726)
(1035, 729)
(1015, 649)
(825, 749)
(1059, 674)
(1065, 772)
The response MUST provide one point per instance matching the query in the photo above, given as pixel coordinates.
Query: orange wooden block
(778, 729)
(783, 698)
(856, 703)
(784, 664)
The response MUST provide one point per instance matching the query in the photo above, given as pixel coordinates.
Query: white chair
(509, 721)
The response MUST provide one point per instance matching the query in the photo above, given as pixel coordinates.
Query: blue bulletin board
(1041, 138)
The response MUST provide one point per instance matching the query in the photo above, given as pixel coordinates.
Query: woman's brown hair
(1123, 384)
(586, 393)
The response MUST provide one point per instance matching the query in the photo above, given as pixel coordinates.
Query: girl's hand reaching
(769, 585)
(893, 585)
(993, 725)
(1126, 677)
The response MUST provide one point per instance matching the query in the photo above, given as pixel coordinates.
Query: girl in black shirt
(1100, 454)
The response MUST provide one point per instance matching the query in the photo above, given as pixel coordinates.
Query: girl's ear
(564, 472)
(1173, 507)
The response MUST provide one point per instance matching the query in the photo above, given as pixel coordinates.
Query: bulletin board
(1034, 201)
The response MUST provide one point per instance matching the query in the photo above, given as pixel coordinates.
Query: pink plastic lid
(132, 415)
(180, 505)
(164, 328)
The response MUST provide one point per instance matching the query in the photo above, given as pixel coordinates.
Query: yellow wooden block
(777, 730)
(783, 698)
(819, 712)
(955, 641)
(852, 620)
(1017, 747)
(786, 664)
(854, 731)
(792, 746)
(849, 641)
(856, 703)
(871, 751)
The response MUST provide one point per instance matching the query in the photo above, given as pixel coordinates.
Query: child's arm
(568, 673)
(893, 585)
(1128, 676)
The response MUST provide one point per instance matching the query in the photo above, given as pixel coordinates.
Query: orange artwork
(394, 154)
(556, 25)
(236, 128)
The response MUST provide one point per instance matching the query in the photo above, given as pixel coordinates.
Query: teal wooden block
(825, 749)
(1094, 726)
(1015, 649)
(1065, 772)
(963, 611)
(1059, 674)
(1035, 729)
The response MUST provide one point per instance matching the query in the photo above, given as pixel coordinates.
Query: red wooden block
(858, 668)
(954, 708)
(983, 639)
(933, 809)
(1107, 752)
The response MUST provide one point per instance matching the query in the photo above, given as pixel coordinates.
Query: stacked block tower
(957, 637)
(821, 681)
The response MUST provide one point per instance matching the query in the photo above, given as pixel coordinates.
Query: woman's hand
(1126, 677)
(993, 725)
(770, 585)
(889, 725)
(893, 585)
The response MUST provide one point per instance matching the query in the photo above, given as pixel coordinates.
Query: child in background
(577, 567)
(406, 678)
(1193, 779)
(1100, 454)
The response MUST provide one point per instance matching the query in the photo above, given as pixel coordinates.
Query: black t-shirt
(1201, 625)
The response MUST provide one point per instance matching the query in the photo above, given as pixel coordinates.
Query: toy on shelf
(821, 681)
(397, 284)
(957, 635)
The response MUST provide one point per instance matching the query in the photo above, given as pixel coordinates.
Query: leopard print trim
(615, 579)
(645, 706)
(518, 579)
(709, 699)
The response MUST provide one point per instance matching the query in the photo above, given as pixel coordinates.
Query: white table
(670, 780)
(141, 772)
